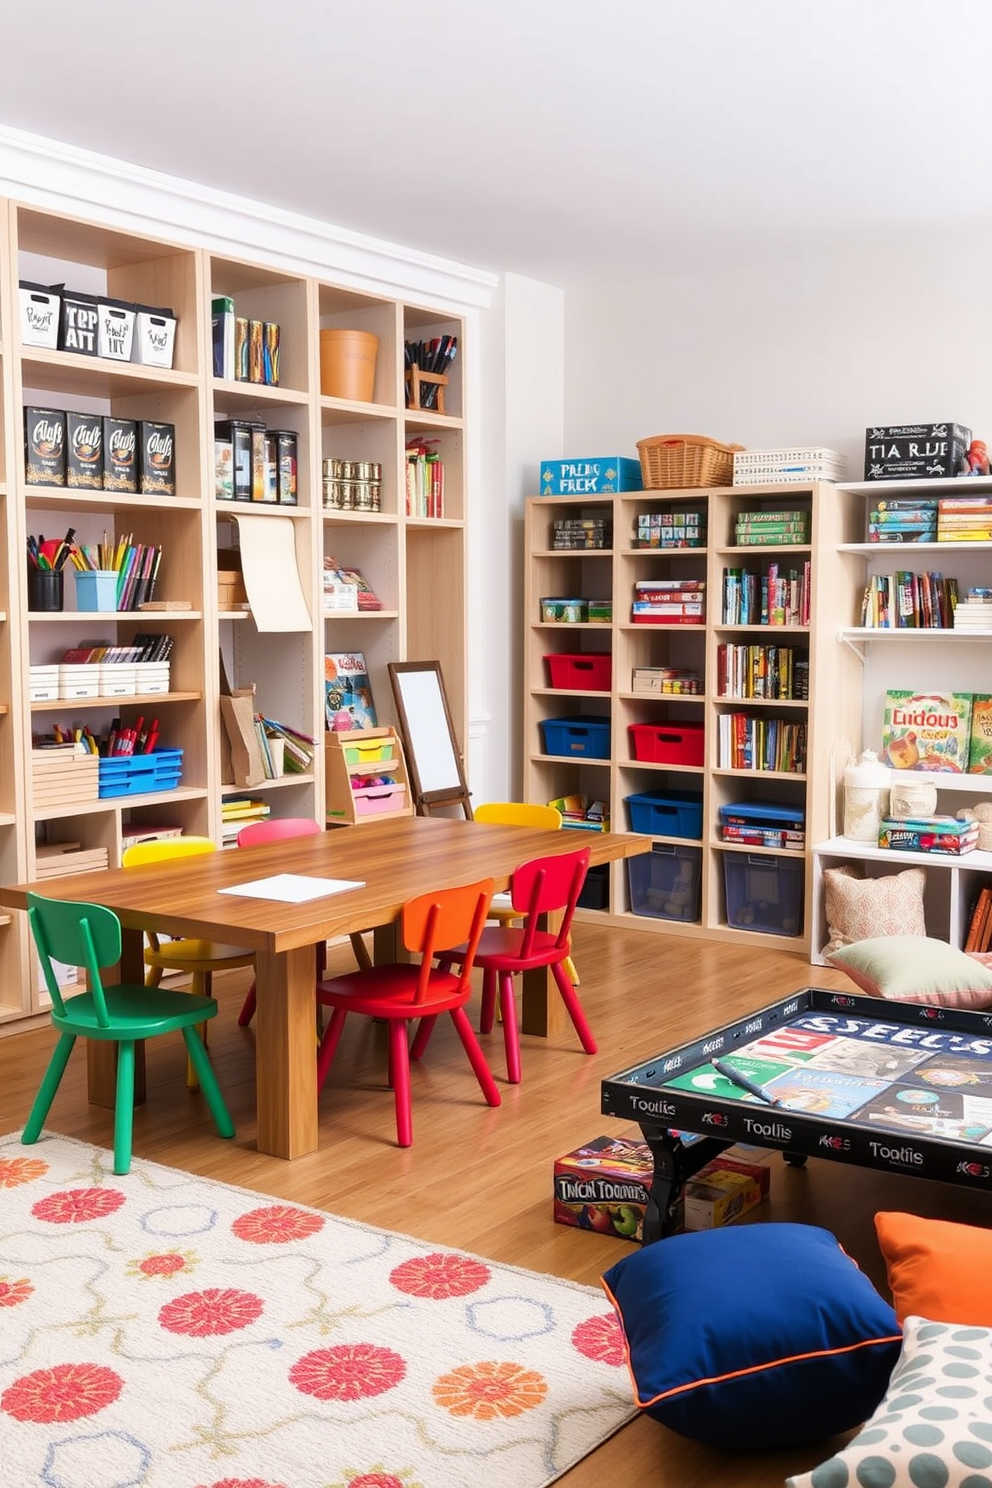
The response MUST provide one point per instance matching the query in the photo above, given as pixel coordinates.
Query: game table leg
(674, 1164)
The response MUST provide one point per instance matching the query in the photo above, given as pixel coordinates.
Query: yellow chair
(520, 814)
(197, 958)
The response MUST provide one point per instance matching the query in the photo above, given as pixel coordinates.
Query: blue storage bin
(140, 774)
(764, 893)
(676, 813)
(583, 738)
(664, 883)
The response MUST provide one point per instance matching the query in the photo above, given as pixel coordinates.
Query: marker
(737, 1078)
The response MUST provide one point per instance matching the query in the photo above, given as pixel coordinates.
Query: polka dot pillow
(934, 1425)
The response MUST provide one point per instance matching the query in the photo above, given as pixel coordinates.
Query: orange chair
(540, 886)
(280, 829)
(399, 991)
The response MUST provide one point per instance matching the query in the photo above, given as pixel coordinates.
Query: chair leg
(46, 1091)
(487, 1013)
(328, 1045)
(399, 1078)
(200, 1059)
(571, 1001)
(511, 1036)
(422, 1037)
(361, 951)
(476, 1057)
(247, 1008)
(570, 971)
(124, 1106)
(200, 984)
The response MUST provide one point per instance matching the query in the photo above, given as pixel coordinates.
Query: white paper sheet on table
(293, 888)
(272, 577)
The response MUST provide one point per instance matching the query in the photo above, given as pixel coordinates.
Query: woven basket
(679, 461)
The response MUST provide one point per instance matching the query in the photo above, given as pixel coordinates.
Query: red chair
(399, 991)
(279, 829)
(539, 887)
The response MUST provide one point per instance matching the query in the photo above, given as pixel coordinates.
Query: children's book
(927, 731)
(348, 702)
(980, 750)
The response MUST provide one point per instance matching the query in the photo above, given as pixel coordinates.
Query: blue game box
(597, 476)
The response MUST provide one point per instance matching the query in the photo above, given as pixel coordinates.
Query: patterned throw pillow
(861, 907)
(934, 1425)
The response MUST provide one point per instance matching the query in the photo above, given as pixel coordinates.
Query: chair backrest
(519, 814)
(545, 886)
(79, 934)
(448, 917)
(275, 829)
(165, 848)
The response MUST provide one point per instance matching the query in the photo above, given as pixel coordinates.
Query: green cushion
(915, 968)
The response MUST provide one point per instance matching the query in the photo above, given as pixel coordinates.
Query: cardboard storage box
(915, 451)
(604, 1186)
(596, 476)
(723, 1191)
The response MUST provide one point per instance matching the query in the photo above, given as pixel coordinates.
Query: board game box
(927, 731)
(980, 747)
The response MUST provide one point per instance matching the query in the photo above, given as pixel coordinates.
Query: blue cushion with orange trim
(756, 1338)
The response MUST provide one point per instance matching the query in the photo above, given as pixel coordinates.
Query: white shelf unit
(922, 660)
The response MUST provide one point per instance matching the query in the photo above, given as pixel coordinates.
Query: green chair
(89, 936)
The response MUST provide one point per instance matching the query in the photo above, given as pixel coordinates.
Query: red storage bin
(591, 671)
(667, 743)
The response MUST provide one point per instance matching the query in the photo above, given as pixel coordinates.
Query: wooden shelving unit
(832, 709)
(416, 566)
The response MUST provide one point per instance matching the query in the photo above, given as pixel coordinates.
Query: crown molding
(60, 177)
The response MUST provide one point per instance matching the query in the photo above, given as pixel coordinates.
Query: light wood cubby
(416, 566)
(832, 709)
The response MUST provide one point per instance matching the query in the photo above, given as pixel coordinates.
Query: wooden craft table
(395, 860)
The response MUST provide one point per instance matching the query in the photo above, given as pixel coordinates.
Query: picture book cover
(930, 1113)
(822, 1092)
(980, 748)
(927, 731)
(705, 1080)
(348, 702)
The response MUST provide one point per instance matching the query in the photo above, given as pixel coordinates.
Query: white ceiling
(568, 140)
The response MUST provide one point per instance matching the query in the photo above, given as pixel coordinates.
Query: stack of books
(964, 518)
(771, 529)
(945, 835)
(771, 598)
(974, 612)
(903, 519)
(669, 602)
(236, 812)
(794, 465)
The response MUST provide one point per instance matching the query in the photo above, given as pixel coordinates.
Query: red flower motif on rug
(377, 1478)
(490, 1390)
(17, 1170)
(167, 1263)
(63, 1393)
(12, 1292)
(277, 1224)
(439, 1275)
(348, 1371)
(75, 1205)
(600, 1338)
(208, 1313)
(242, 1483)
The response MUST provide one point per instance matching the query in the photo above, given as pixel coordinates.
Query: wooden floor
(480, 1179)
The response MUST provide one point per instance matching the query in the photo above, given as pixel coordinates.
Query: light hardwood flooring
(480, 1179)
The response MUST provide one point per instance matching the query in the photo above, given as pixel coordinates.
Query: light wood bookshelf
(832, 711)
(415, 565)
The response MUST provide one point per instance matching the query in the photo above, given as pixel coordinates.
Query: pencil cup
(347, 364)
(45, 589)
(96, 589)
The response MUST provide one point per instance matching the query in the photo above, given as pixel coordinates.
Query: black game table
(903, 1087)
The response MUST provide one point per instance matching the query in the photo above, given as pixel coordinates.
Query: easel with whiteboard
(433, 757)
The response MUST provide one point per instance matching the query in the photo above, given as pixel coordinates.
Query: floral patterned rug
(162, 1331)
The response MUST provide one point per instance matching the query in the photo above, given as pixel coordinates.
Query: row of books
(424, 479)
(748, 743)
(762, 672)
(770, 598)
(909, 600)
(771, 528)
(979, 937)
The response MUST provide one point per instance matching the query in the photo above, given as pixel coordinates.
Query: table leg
(285, 1055)
(101, 1057)
(541, 1009)
(674, 1163)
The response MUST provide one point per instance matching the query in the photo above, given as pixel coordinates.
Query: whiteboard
(433, 757)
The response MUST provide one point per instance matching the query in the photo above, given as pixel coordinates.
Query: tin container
(120, 454)
(271, 479)
(270, 353)
(84, 451)
(363, 495)
(258, 448)
(256, 351)
(44, 446)
(332, 495)
(239, 432)
(287, 493)
(241, 338)
(156, 458)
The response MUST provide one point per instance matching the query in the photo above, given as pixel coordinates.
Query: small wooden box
(365, 776)
(64, 775)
